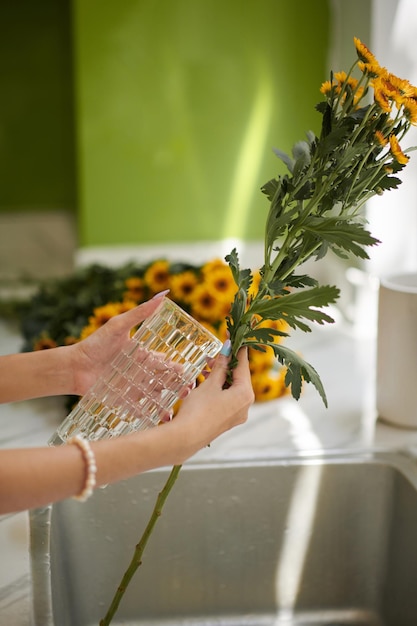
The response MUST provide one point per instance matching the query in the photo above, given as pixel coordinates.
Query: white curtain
(393, 216)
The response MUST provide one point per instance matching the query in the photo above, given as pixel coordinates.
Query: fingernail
(227, 348)
(160, 294)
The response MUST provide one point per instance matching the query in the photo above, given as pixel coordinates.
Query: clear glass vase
(145, 380)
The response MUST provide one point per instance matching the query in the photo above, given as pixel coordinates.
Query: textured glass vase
(145, 380)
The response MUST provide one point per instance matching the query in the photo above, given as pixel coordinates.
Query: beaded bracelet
(90, 467)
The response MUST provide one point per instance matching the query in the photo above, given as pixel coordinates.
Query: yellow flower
(221, 283)
(381, 98)
(380, 138)
(403, 86)
(410, 110)
(267, 386)
(183, 285)
(102, 314)
(88, 330)
(372, 70)
(212, 265)
(70, 340)
(260, 361)
(363, 52)
(396, 151)
(340, 76)
(44, 343)
(327, 87)
(205, 305)
(135, 289)
(157, 276)
(344, 79)
(256, 280)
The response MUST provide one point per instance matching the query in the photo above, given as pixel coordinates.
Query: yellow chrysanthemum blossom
(88, 330)
(380, 138)
(102, 314)
(403, 86)
(381, 98)
(371, 69)
(135, 289)
(157, 276)
(44, 343)
(261, 361)
(340, 76)
(256, 280)
(363, 52)
(410, 110)
(327, 87)
(214, 264)
(396, 151)
(70, 340)
(344, 79)
(206, 306)
(269, 386)
(182, 285)
(221, 283)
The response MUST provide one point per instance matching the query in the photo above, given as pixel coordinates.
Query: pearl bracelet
(90, 467)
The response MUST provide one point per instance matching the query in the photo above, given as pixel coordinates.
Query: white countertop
(279, 428)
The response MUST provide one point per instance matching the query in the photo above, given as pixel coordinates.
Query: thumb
(221, 362)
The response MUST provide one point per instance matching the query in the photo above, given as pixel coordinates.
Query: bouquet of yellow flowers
(316, 207)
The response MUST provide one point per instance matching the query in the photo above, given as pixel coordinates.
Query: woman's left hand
(90, 356)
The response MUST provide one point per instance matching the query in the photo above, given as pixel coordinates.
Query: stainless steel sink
(295, 542)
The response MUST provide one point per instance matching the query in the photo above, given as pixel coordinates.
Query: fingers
(135, 316)
(240, 373)
(242, 368)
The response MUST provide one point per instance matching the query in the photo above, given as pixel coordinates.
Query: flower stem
(140, 547)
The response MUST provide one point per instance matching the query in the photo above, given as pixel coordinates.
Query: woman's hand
(211, 409)
(69, 370)
(90, 356)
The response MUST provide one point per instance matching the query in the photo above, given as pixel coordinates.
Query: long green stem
(140, 547)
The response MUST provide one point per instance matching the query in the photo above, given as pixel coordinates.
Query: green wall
(37, 151)
(178, 106)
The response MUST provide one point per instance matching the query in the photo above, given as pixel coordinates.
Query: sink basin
(294, 542)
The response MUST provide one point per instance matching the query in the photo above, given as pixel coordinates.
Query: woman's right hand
(210, 409)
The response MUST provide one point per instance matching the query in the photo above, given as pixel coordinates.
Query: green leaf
(270, 188)
(342, 234)
(242, 278)
(301, 281)
(298, 370)
(294, 307)
(388, 182)
(265, 335)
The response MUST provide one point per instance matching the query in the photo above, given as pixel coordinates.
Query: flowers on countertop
(67, 310)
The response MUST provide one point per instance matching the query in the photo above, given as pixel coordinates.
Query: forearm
(36, 374)
(38, 476)
(33, 477)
